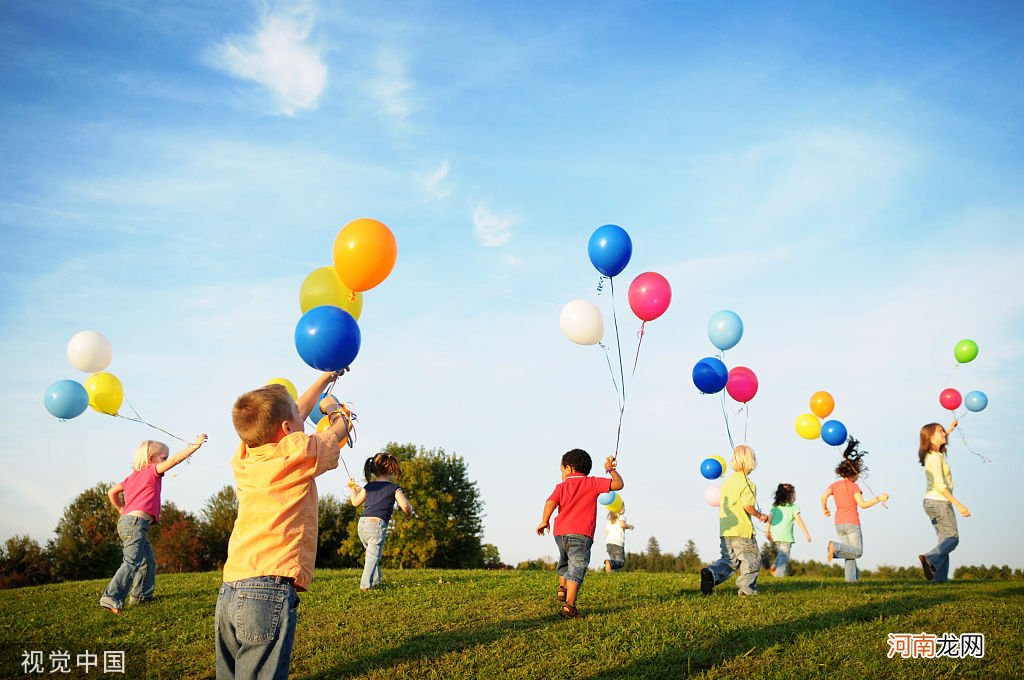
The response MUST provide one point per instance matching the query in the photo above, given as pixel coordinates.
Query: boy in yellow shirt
(273, 544)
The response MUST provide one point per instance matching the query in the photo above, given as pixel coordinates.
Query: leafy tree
(539, 564)
(23, 562)
(491, 557)
(86, 543)
(334, 518)
(217, 519)
(175, 538)
(768, 554)
(445, 533)
(653, 549)
(689, 560)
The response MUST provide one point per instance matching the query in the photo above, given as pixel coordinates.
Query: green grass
(488, 624)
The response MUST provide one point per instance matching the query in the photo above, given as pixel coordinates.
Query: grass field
(491, 624)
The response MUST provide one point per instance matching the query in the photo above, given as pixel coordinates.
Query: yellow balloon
(722, 462)
(288, 385)
(323, 287)
(105, 393)
(325, 424)
(808, 426)
(616, 505)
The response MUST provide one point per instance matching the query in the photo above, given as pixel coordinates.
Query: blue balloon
(711, 468)
(833, 432)
(327, 338)
(610, 249)
(66, 399)
(710, 375)
(975, 401)
(725, 329)
(606, 498)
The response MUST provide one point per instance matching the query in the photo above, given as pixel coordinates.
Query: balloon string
(746, 421)
(632, 376)
(618, 342)
(138, 419)
(611, 371)
(725, 415)
(872, 492)
(968, 446)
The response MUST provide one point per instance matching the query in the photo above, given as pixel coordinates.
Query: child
(939, 501)
(739, 548)
(780, 531)
(615, 540)
(379, 495)
(272, 548)
(848, 498)
(139, 508)
(576, 500)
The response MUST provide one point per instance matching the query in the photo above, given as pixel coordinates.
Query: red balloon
(950, 399)
(742, 385)
(649, 296)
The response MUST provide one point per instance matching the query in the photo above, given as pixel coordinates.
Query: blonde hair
(145, 453)
(743, 459)
(257, 415)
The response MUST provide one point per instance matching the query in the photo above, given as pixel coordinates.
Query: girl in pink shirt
(137, 498)
(848, 498)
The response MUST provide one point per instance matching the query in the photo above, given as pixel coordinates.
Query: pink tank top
(142, 492)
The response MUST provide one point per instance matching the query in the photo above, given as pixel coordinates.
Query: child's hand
(351, 483)
(827, 512)
(542, 528)
(808, 539)
(883, 497)
(610, 463)
(764, 518)
(200, 440)
(329, 403)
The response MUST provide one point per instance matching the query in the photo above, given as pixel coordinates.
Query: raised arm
(356, 493)
(307, 401)
(609, 466)
(861, 503)
(182, 455)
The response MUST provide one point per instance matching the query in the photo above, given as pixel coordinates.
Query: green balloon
(965, 351)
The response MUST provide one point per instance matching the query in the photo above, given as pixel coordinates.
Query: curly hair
(785, 494)
(852, 464)
(578, 460)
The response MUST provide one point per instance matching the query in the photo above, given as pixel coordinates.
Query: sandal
(561, 593)
(569, 611)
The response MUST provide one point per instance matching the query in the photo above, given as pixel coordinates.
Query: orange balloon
(365, 251)
(325, 424)
(822, 404)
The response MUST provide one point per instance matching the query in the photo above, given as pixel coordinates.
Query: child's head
(785, 494)
(265, 415)
(850, 468)
(148, 452)
(613, 516)
(933, 438)
(578, 460)
(381, 464)
(743, 459)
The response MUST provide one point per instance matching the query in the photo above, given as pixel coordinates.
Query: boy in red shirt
(576, 500)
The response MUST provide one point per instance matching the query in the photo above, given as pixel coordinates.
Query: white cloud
(278, 56)
(490, 229)
(391, 87)
(433, 182)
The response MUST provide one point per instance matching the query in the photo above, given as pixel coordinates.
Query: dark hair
(852, 464)
(382, 463)
(785, 494)
(927, 432)
(578, 460)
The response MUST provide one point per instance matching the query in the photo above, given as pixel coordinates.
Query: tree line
(445, 533)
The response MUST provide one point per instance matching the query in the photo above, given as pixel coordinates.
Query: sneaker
(132, 600)
(926, 566)
(831, 551)
(707, 581)
(743, 594)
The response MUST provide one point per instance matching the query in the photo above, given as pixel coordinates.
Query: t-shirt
(276, 529)
(614, 532)
(737, 492)
(576, 500)
(938, 476)
(783, 517)
(380, 500)
(142, 492)
(846, 505)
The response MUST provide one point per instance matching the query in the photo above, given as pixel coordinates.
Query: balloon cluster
(810, 425)
(965, 352)
(612, 501)
(712, 468)
(710, 375)
(90, 352)
(327, 336)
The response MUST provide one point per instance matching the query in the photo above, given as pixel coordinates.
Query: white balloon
(713, 496)
(89, 351)
(581, 322)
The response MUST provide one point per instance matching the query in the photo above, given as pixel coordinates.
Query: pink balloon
(649, 296)
(742, 385)
(950, 399)
(712, 496)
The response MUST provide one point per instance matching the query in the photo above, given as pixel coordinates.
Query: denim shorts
(573, 556)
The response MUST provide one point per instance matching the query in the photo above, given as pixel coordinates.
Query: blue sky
(847, 179)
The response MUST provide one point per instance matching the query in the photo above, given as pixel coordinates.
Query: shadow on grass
(737, 643)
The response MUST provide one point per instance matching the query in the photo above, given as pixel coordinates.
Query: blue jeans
(372, 531)
(850, 546)
(783, 549)
(136, 577)
(255, 628)
(616, 556)
(573, 556)
(738, 555)
(941, 515)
